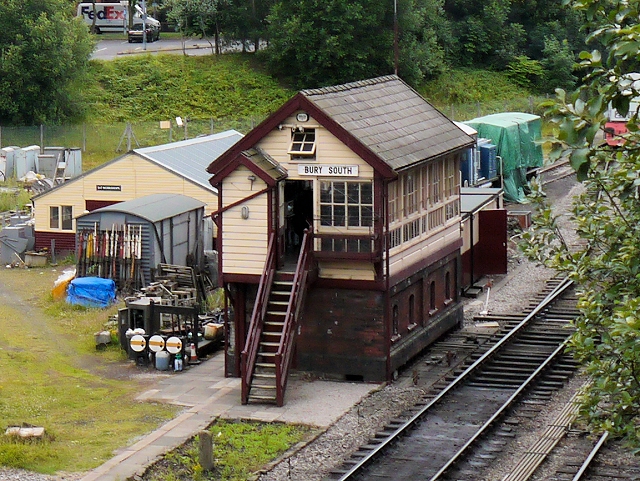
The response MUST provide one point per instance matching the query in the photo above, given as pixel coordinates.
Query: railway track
(447, 436)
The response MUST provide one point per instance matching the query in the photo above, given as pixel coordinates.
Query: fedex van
(111, 17)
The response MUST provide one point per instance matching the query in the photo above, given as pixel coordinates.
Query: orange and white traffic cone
(193, 357)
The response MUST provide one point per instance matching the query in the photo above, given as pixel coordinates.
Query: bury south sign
(111, 188)
(325, 170)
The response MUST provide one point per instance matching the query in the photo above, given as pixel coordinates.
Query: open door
(298, 214)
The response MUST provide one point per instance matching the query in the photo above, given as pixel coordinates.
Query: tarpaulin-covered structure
(91, 292)
(516, 136)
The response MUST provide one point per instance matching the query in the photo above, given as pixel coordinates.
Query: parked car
(136, 33)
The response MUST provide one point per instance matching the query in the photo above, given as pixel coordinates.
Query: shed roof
(186, 158)
(154, 207)
(190, 158)
(391, 119)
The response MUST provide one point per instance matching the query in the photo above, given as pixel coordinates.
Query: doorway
(298, 212)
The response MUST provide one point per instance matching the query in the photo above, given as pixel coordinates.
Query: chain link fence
(102, 142)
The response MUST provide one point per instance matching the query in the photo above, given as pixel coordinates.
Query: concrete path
(206, 395)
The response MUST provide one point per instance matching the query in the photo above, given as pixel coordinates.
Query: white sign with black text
(325, 170)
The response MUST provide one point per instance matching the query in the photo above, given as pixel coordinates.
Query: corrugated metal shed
(170, 227)
(190, 158)
(391, 119)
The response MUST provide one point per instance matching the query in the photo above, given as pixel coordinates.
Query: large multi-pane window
(394, 202)
(423, 199)
(411, 188)
(346, 204)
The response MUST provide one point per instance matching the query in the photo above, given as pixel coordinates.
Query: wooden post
(206, 450)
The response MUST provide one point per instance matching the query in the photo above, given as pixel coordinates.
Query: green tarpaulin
(514, 134)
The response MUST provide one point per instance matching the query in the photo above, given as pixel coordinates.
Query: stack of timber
(111, 254)
(184, 277)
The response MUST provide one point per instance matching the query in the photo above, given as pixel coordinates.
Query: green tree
(317, 43)
(606, 266)
(43, 51)
(423, 33)
(558, 63)
(195, 17)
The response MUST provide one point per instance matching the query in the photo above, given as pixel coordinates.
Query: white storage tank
(25, 160)
(73, 159)
(7, 154)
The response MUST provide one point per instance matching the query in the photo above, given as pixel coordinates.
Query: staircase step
(267, 354)
(269, 365)
(264, 375)
(278, 303)
(269, 344)
(262, 398)
(272, 333)
(280, 293)
(274, 324)
(263, 386)
(276, 313)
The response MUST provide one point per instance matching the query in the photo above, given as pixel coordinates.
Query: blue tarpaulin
(91, 292)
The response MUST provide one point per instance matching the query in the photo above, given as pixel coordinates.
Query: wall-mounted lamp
(251, 178)
(244, 212)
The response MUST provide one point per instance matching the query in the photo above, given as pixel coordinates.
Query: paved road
(110, 49)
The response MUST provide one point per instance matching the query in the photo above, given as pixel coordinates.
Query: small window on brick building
(432, 297)
(412, 312)
(447, 286)
(395, 335)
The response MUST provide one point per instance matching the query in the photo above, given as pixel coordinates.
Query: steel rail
(507, 404)
(587, 462)
(553, 295)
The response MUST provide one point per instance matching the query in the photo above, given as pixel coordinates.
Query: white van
(111, 17)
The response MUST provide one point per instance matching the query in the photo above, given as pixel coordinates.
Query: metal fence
(101, 142)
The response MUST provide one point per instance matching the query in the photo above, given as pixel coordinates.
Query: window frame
(300, 153)
(66, 217)
(54, 209)
(341, 202)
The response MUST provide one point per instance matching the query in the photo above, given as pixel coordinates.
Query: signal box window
(303, 144)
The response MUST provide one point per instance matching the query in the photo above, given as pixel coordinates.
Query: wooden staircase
(270, 341)
(263, 381)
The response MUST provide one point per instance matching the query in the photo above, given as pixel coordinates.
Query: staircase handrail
(296, 300)
(252, 344)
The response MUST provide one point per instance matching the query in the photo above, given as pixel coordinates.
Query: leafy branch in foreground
(606, 263)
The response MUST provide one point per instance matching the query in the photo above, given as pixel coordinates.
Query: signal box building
(174, 168)
(339, 235)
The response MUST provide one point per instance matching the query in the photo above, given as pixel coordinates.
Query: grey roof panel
(391, 119)
(190, 158)
(154, 207)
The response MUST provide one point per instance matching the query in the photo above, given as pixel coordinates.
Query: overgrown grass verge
(463, 94)
(52, 376)
(240, 449)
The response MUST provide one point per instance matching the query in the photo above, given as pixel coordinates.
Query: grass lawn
(52, 376)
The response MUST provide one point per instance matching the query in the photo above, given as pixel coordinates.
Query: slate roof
(154, 207)
(190, 158)
(391, 119)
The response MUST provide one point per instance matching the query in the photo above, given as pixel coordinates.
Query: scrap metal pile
(114, 254)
